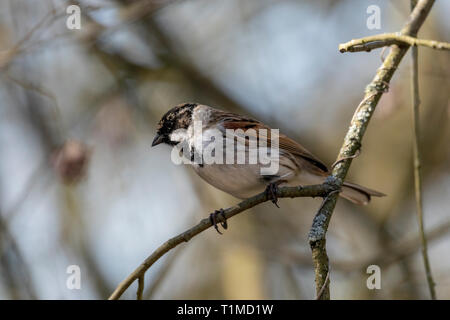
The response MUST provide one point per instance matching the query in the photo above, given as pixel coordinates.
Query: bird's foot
(271, 192)
(213, 218)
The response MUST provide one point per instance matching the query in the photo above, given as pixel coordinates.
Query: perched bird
(296, 165)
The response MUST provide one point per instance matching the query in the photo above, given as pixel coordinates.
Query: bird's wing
(299, 151)
(286, 144)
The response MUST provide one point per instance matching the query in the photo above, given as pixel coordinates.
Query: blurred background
(80, 185)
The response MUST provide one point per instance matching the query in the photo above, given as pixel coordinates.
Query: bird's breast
(239, 180)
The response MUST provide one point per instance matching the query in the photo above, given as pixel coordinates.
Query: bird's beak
(158, 139)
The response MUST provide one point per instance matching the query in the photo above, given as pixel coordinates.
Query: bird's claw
(213, 219)
(271, 192)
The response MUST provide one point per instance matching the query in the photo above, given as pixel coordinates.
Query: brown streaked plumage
(297, 166)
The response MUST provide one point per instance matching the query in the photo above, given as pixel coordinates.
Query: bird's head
(175, 120)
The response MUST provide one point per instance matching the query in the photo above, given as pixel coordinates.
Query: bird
(295, 165)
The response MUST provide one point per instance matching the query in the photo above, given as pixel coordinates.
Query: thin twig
(140, 289)
(349, 157)
(22, 268)
(321, 190)
(327, 280)
(400, 249)
(164, 271)
(388, 39)
(352, 142)
(55, 109)
(7, 56)
(31, 183)
(418, 164)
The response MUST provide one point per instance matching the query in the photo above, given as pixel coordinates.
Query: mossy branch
(352, 143)
(328, 190)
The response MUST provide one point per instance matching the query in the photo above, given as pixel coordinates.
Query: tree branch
(140, 289)
(352, 143)
(400, 249)
(418, 164)
(388, 39)
(321, 190)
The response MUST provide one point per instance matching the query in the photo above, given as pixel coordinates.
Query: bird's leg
(213, 219)
(271, 192)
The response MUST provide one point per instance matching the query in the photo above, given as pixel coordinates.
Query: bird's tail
(358, 194)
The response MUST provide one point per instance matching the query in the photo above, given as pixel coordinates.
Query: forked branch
(352, 143)
(321, 190)
(388, 39)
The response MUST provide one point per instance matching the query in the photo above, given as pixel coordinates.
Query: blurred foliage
(79, 183)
